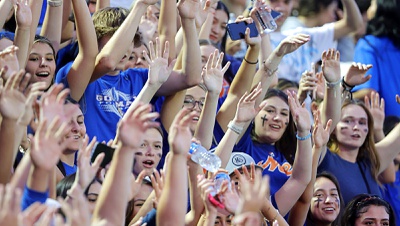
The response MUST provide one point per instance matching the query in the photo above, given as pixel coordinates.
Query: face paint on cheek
(337, 200)
(365, 130)
(286, 123)
(264, 118)
(318, 201)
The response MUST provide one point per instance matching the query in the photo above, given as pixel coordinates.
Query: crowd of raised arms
(146, 112)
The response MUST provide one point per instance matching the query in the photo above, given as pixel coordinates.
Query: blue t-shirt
(391, 193)
(69, 169)
(30, 196)
(350, 176)
(107, 99)
(385, 58)
(267, 156)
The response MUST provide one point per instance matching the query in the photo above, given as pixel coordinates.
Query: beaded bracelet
(332, 84)
(54, 3)
(249, 62)
(303, 138)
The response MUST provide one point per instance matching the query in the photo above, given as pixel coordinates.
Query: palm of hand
(246, 112)
(159, 71)
(12, 104)
(126, 131)
(331, 69)
(378, 115)
(213, 79)
(180, 139)
(188, 8)
(321, 137)
(201, 15)
(23, 15)
(287, 47)
(302, 118)
(10, 60)
(46, 152)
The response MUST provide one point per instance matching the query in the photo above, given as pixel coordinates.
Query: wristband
(332, 84)
(274, 219)
(249, 62)
(303, 138)
(235, 128)
(54, 3)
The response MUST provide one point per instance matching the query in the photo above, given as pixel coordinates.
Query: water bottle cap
(222, 176)
(193, 147)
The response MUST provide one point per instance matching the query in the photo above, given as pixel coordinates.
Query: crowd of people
(104, 103)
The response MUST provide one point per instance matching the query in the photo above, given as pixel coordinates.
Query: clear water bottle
(265, 18)
(204, 158)
(219, 179)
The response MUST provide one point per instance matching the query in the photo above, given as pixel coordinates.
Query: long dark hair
(310, 220)
(287, 144)
(386, 21)
(312, 7)
(360, 204)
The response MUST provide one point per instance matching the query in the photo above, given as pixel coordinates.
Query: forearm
(36, 9)
(101, 4)
(303, 159)
(146, 208)
(206, 28)
(191, 64)
(209, 219)
(38, 179)
(266, 48)
(21, 40)
(116, 47)
(207, 120)
(269, 212)
(172, 205)
(378, 135)
(21, 174)
(52, 25)
(225, 146)
(388, 148)
(352, 15)
(113, 198)
(332, 104)
(167, 26)
(8, 149)
(196, 203)
(83, 66)
(5, 8)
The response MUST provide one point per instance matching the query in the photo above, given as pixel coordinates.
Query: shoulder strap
(60, 166)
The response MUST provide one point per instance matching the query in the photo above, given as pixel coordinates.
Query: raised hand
(376, 107)
(320, 135)
(159, 70)
(52, 104)
(47, 144)
(213, 73)
(147, 2)
(9, 60)
(87, 171)
(206, 186)
(136, 184)
(308, 85)
(246, 111)
(76, 213)
(331, 65)
(180, 136)
(31, 93)
(12, 99)
(188, 8)
(252, 193)
(23, 14)
(229, 196)
(134, 124)
(251, 41)
(157, 181)
(205, 7)
(300, 114)
(356, 74)
(291, 43)
(10, 208)
(33, 213)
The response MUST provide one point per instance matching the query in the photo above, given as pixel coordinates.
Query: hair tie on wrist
(244, 58)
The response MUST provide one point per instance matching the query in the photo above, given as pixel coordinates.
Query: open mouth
(43, 74)
(196, 118)
(328, 209)
(148, 163)
(355, 136)
(275, 127)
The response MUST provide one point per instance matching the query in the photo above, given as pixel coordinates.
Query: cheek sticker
(264, 118)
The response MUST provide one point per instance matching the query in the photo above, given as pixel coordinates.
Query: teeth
(329, 209)
(43, 74)
(275, 126)
(76, 137)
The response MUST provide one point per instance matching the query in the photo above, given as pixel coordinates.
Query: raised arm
(320, 137)
(352, 20)
(167, 25)
(172, 205)
(190, 75)
(114, 50)
(23, 17)
(213, 76)
(291, 191)
(332, 104)
(243, 79)
(116, 190)
(82, 68)
(52, 23)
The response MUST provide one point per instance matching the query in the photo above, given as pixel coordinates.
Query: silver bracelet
(237, 129)
(54, 3)
(332, 84)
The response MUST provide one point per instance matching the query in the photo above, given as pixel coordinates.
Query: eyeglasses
(190, 102)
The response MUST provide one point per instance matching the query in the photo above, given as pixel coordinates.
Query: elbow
(193, 81)
(106, 62)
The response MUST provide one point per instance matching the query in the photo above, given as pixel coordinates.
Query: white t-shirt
(295, 63)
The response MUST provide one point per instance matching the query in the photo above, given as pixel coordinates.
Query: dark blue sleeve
(150, 218)
(233, 68)
(30, 196)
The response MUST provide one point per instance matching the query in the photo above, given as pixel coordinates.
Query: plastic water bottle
(265, 18)
(204, 158)
(219, 179)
